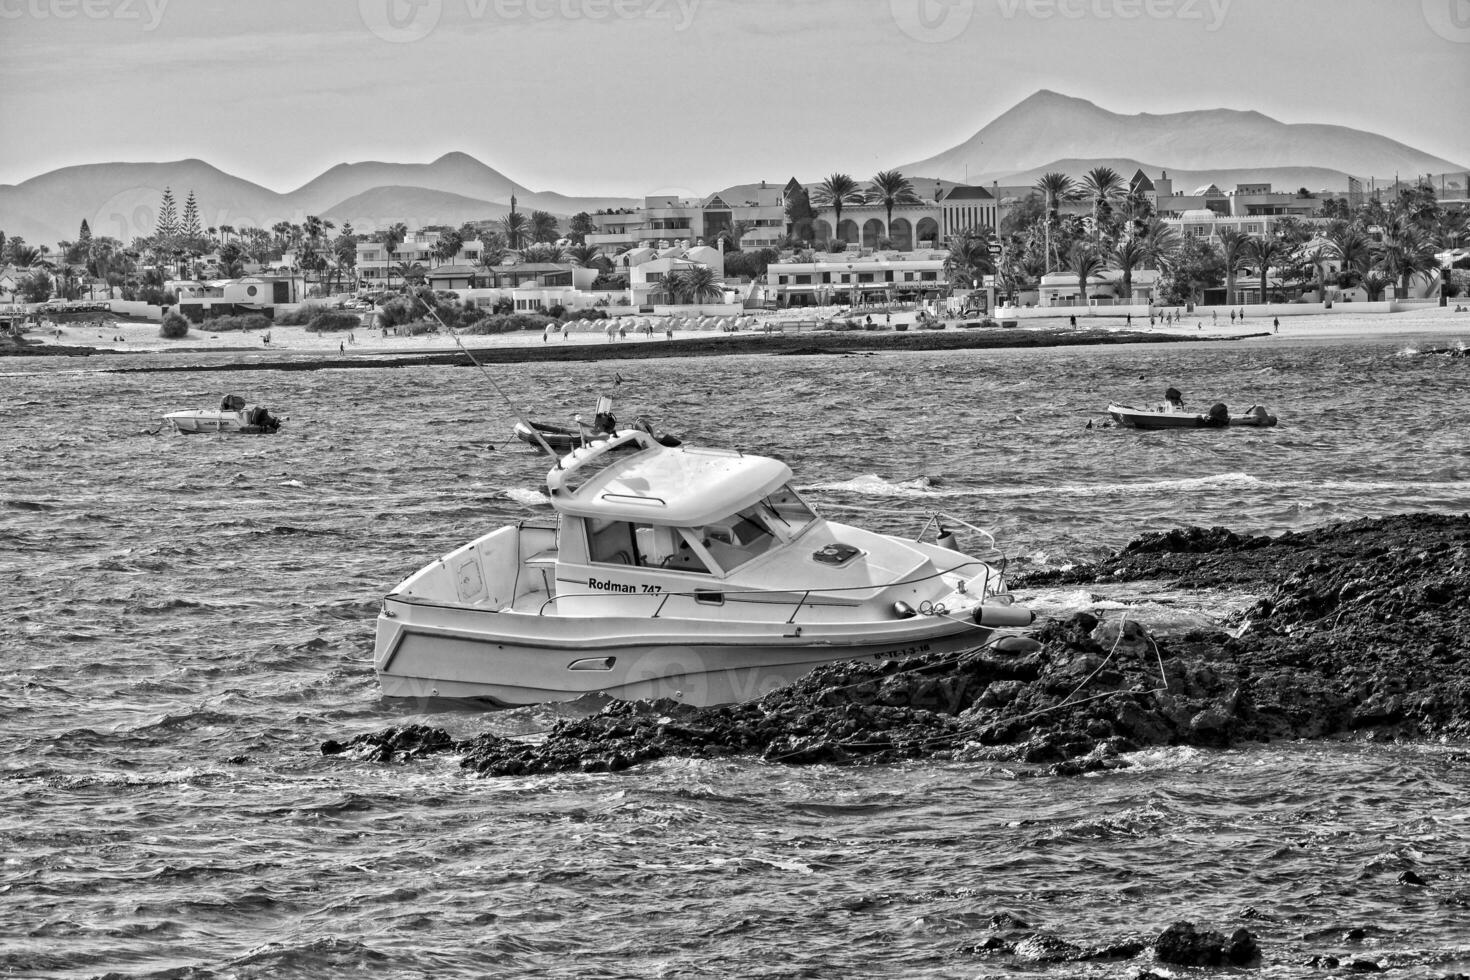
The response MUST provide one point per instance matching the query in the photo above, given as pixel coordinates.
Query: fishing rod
(508, 403)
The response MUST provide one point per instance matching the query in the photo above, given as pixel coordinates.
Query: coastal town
(884, 253)
(890, 489)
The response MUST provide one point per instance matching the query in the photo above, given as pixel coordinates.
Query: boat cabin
(691, 509)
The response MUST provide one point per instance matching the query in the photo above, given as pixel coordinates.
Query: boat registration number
(914, 650)
(608, 585)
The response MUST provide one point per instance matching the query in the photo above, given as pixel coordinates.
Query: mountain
(454, 173)
(1049, 126)
(1280, 178)
(414, 206)
(121, 200)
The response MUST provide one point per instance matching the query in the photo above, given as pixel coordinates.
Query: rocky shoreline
(1360, 631)
(794, 344)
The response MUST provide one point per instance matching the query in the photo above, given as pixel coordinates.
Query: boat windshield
(789, 514)
(740, 537)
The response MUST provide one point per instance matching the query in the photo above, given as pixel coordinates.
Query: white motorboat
(685, 572)
(232, 416)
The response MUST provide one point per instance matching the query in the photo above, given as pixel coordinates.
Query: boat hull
(1137, 418)
(514, 659)
(215, 422)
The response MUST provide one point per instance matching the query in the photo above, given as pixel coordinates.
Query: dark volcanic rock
(1183, 945)
(1360, 628)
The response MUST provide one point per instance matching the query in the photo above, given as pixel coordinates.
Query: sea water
(187, 618)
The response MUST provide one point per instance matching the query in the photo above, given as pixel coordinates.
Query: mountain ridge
(121, 199)
(1048, 125)
(1045, 130)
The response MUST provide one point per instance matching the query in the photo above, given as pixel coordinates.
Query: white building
(200, 301)
(376, 265)
(856, 280)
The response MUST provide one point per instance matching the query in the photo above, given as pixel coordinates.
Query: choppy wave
(187, 620)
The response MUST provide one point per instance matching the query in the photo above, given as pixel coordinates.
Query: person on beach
(1214, 317)
(546, 333)
(341, 347)
(1232, 318)
(1276, 324)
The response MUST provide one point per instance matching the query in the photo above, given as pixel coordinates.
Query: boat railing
(585, 456)
(805, 597)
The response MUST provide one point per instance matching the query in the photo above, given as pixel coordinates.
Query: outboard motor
(263, 419)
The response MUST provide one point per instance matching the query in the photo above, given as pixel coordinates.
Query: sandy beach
(1443, 325)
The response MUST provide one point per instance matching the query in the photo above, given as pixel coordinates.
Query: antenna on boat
(508, 403)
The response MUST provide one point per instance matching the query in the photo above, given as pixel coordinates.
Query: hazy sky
(633, 96)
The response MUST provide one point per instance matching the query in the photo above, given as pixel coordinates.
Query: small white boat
(685, 572)
(233, 416)
(1167, 417)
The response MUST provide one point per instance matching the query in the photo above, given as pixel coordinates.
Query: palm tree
(1350, 247)
(448, 246)
(1406, 254)
(1084, 260)
(891, 188)
(1055, 188)
(585, 256)
(1233, 246)
(1103, 185)
(701, 284)
(1374, 284)
(1319, 255)
(1451, 229)
(68, 280)
(1265, 252)
(1128, 254)
(410, 272)
(543, 227)
(514, 226)
(834, 192)
(734, 233)
(24, 256)
(969, 259)
(543, 252)
(673, 285)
